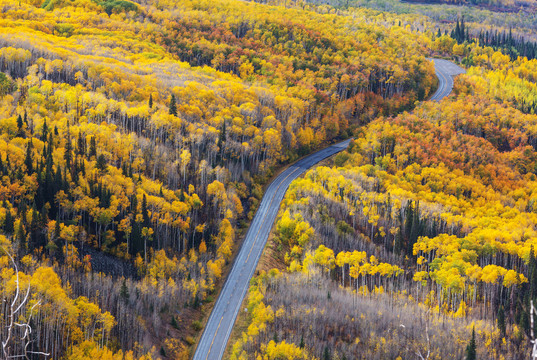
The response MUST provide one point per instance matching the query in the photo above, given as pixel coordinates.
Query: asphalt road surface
(218, 329)
(216, 334)
(445, 70)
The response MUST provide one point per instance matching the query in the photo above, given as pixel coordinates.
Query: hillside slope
(142, 133)
(416, 239)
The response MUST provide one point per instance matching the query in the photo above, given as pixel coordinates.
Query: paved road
(445, 70)
(216, 334)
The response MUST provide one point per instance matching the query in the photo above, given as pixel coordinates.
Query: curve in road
(218, 328)
(445, 71)
(216, 334)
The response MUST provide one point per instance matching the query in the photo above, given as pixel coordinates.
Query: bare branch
(13, 312)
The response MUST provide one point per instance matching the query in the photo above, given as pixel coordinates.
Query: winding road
(445, 70)
(218, 328)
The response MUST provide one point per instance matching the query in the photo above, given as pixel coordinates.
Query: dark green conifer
(28, 161)
(8, 222)
(19, 125)
(93, 148)
(471, 349)
(81, 145)
(44, 131)
(326, 353)
(173, 106)
(501, 321)
(124, 291)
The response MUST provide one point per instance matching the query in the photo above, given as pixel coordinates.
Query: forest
(444, 14)
(135, 140)
(418, 241)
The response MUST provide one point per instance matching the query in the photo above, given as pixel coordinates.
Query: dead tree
(533, 311)
(25, 328)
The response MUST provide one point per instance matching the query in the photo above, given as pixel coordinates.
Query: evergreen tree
(44, 131)
(457, 33)
(21, 235)
(145, 213)
(150, 101)
(50, 145)
(501, 321)
(398, 243)
(8, 222)
(134, 203)
(173, 106)
(21, 211)
(136, 239)
(124, 291)
(28, 161)
(82, 167)
(326, 353)
(93, 147)
(58, 180)
(67, 155)
(301, 345)
(471, 348)
(57, 228)
(19, 126)
(101, 163)
(33, 230)
(81, 145)
(174, 323)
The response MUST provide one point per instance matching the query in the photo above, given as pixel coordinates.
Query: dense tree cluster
(308, 317)
(506, 41)
(436, 207)
(321, 60)
(135, 138)
(520, 19)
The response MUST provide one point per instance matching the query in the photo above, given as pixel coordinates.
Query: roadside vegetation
(135, 139)
(419, 235)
